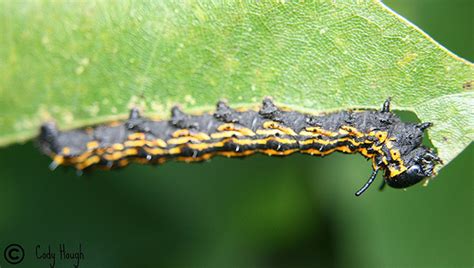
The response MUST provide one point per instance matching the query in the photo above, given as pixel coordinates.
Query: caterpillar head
(419, 163)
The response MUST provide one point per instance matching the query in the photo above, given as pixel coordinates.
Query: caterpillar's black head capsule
(420, 164)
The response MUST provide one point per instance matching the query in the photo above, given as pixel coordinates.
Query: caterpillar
(394, 147)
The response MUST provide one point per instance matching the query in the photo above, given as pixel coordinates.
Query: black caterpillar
(394, 146)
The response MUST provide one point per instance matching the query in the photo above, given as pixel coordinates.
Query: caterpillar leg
(382, 185)
(54, 164)
(368, 183)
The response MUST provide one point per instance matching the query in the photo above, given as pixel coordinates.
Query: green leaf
(81, 63)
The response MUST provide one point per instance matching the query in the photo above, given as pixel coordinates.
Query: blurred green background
(260, 212)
